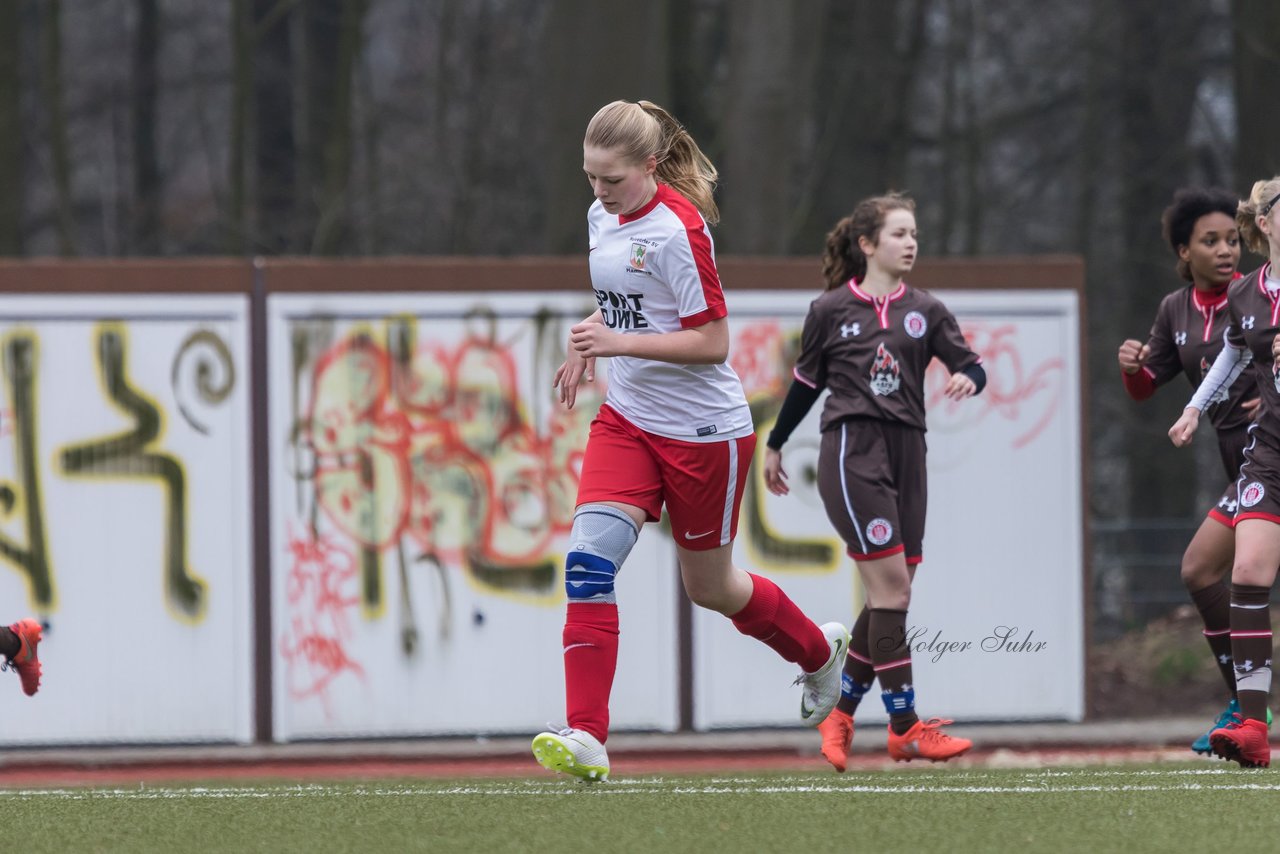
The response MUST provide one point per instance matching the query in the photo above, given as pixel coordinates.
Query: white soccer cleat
(572, 751)
(822, 687)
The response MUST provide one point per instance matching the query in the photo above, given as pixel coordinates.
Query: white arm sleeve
(1229, 365)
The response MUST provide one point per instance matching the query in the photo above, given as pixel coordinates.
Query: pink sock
(590, 659)
(775, 620)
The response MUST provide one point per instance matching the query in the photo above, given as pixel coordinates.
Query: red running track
(628, 765)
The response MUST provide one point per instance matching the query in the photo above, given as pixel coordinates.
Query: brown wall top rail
(155, 276)
(444, 273)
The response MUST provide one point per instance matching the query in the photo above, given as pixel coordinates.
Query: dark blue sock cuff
(896, 702)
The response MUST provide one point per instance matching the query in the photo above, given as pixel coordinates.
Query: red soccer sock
(590, 659)
(772, 618)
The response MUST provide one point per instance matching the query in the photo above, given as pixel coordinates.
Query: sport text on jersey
(621, 311)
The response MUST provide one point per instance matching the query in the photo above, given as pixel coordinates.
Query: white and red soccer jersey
(654, 271)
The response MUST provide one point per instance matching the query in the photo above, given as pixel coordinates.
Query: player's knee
(1199, 571)
(893, 598)
(703, 592)
(1252, 571)
(600, 541)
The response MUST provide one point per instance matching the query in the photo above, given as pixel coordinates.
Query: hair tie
(1266, 209)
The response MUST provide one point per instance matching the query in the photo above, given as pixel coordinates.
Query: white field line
(1029, 784)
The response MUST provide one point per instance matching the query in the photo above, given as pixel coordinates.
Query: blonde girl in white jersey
(674, 429)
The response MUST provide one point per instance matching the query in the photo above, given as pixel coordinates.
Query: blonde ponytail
(1262, 196)
(638, 130)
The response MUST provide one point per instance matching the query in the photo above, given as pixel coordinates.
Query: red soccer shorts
(700, 482)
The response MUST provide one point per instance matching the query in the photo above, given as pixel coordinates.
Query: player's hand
(1251, 406)
(775, 476)
(589, 340)
(571, 373)
(1185, 427)
(959, 387)
(1133, 355)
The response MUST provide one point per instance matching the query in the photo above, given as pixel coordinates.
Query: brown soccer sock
(859, 672)
(892, 659)
(9, 642)
(1251, 648)
(1214, 604)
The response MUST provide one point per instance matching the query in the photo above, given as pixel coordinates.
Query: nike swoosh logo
(689, 536)
(805, 711)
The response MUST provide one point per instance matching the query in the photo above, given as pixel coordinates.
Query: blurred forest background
(375, 127)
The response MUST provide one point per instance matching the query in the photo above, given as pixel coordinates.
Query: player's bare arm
(707, 344)
(960, 386)
(575, 369)
(775, 476)
(1185, 427)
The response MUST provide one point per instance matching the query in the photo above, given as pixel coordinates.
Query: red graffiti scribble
(1014, 392)
(756, 357)
(314, 644)
(437, 448)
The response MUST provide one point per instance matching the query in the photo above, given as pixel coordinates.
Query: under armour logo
(847, 329)
(1228, 504)
(1246, 322)
(1225, 659)
(1247, 666)
(1179, 338)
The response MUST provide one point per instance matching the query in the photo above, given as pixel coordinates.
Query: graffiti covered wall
(125, 519)
(424, 483)
(423, 489)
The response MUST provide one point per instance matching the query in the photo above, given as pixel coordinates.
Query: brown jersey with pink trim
(1255, 320)
(1185, 339)
(872, 352)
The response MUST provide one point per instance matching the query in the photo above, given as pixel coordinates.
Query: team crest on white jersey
(879, 531)
(637, 255)
(885, 374)
(915, 324)
(1252, 493)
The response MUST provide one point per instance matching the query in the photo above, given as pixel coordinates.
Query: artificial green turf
(1193, 807)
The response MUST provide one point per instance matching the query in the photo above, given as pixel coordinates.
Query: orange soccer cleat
(24, 660)
(926, 740)
(837, 736)
(1244, 741)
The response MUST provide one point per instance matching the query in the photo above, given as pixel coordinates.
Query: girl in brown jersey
(1254, 307)
(868, 340)
(1185, 338)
